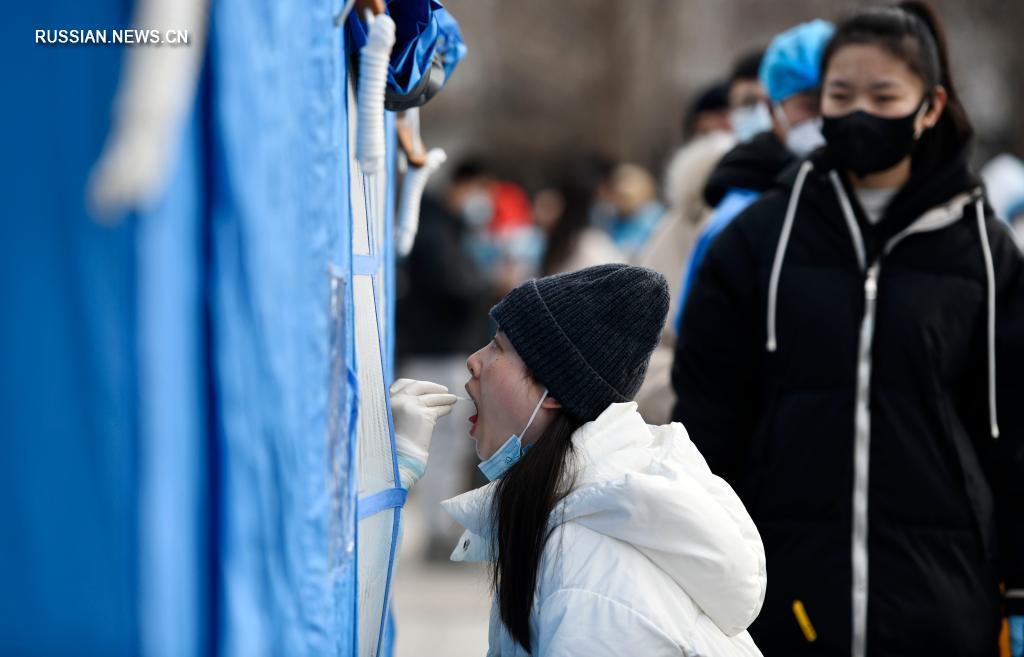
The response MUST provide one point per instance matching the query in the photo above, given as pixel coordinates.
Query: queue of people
(775, 411)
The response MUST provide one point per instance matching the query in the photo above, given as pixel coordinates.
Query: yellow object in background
(804, 622)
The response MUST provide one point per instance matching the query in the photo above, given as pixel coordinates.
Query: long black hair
(523, 501)
(913, 33)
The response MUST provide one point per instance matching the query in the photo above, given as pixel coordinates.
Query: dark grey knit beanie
(587, 335)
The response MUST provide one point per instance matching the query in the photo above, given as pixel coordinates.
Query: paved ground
(440, 609)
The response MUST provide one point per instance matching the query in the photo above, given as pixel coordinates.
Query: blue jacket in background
(739, 179)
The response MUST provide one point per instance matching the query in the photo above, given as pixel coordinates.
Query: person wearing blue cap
(789, 73)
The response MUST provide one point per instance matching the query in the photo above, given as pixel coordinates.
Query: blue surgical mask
(477, 209)
(750, 120)
(501, 461)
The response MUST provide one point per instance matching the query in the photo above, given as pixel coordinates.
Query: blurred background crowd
(179, 467)
(612, 151)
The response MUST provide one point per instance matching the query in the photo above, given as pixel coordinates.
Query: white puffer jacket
(653, 555)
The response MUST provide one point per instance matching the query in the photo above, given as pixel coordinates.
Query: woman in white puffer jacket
(651, 555)
(607, 536)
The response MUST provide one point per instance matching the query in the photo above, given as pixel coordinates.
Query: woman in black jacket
(851, 359)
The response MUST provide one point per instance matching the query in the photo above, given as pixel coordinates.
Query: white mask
(805, 137)
(750, 120)
(802, 138)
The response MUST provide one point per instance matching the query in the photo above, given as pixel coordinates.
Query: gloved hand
(416, 406)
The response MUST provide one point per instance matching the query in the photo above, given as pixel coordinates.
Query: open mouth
(474, 417)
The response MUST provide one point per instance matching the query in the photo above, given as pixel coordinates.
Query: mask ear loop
(921, 111)
(535, 411)
(780, 116)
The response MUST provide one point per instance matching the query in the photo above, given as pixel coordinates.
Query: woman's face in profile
(504, 393)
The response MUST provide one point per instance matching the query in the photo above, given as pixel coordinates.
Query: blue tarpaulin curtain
(178, 402)
(69, 452)
(279, 216)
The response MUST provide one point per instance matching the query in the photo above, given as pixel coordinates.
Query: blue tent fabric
(278, 213)
(174, 601)
(177, 469)
(68, 419)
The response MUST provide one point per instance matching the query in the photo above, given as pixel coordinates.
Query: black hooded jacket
(753, 165)
(837, 374)
(443, 295)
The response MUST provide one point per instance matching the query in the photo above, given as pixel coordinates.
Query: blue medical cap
(792, 62)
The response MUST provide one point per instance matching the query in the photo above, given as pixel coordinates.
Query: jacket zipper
(862, 412)
(935, 219)
(861, 462)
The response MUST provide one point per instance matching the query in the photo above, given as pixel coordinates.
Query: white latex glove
(416, 406)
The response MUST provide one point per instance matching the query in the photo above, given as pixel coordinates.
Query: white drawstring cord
(780, 252)
(851, 220)
(412, 195)
(990, 277)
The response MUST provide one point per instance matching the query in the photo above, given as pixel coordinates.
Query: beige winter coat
(669, 249)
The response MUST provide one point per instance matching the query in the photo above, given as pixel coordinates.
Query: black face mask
(865, 143)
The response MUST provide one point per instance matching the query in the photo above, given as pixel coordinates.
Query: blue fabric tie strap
(364, 265)
(390, 498)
